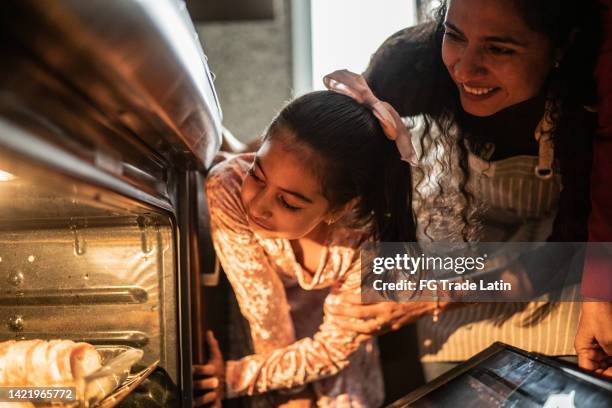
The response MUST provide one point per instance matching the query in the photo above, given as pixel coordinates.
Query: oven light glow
(6, 176)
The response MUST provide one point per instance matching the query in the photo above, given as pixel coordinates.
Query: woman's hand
(210, 377)
(594, 338)
(377, 318)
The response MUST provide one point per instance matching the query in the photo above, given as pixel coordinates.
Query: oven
(108, 123)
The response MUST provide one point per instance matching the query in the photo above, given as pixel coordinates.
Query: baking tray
(108, 385)
(104, 383)
(505, 376)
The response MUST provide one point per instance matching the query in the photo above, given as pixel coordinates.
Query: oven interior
(81, 262)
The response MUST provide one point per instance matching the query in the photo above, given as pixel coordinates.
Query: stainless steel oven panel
(47, 164)
(134, 65)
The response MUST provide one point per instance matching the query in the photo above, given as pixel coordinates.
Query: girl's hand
(210, 377)
(377, 318)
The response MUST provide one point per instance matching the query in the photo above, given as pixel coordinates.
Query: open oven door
(108, 122)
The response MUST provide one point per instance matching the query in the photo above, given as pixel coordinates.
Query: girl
(287, 224)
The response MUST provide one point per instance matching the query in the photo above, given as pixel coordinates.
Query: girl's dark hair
(408, 72)
(346, 148)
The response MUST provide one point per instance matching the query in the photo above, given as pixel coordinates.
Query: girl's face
(281, 195)
(495, 59)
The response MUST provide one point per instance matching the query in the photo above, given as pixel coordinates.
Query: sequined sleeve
(279, 361)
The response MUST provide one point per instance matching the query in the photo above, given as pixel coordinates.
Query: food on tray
(46, 363)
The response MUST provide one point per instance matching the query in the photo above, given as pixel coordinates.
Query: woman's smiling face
(493, 56)
(280, 193)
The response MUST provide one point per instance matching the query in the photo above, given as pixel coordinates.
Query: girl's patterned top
(258, 270)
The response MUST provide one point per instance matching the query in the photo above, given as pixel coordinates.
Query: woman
(594, 337)
(502, 89)
(287, 224)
